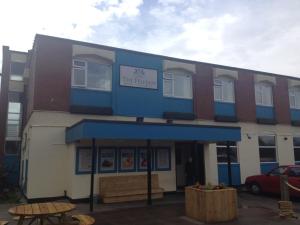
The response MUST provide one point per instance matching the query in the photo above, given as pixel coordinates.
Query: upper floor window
(177, 84)
(264, 94)
(224, 89)
(294, 95)
(17, 71)
(13, 121)
(92, 75)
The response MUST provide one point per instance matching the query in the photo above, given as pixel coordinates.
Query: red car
(270, 182)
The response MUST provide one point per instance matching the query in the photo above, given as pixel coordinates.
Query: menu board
(84, 159)
(163, 159)
(127, 159)
(107, 160)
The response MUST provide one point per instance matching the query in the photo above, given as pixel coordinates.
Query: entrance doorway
(184, 151)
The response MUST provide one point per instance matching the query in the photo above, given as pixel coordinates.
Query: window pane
(297, 154)
(217, 92)
(294, 172)
(222, 154)
(267, 95)
(292, 99)
(99, 76)
(12, 130)
(14, 107)
(258, 94)
(13, 116)
(17, 68)
(267, 154)
(296, 141)
(278, 171)
(78, 77)
(16, 77)
(168, 87)
(178, 86)
(12, 147)
(79, 63)
(266, 140)
(224, 143)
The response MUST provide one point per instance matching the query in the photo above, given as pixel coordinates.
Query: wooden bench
(128, 188)
(84, 219)
(2, 222)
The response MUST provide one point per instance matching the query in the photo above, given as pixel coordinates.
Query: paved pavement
(258, 210)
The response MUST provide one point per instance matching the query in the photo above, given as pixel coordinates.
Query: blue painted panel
(224, 109)
(177, 105)
(142, 102)
(11, 163)
(88, 129)
(267, 167)
(235, 173)
(86, 97)
(295, 114)
(265, 112)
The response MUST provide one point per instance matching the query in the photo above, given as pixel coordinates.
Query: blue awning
(102, 129)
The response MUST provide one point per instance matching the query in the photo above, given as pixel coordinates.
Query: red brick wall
(281, 101)
(52, 78)
(4, 98)
(245, 97)
(203, 92)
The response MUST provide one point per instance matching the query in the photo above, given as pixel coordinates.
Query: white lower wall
(52, 162)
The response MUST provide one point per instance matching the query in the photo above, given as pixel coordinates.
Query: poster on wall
(127, 159)
(142, 159)
(163, 158)
(84, 156)
(107, 160)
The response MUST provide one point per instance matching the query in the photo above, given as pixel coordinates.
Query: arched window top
(177, 83)
(93, 58)
(294, 97)
(264, 93)
(224, 89)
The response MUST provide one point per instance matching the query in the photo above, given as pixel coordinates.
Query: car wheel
(255, 188)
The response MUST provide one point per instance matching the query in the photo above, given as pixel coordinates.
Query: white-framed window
(17, 71)
(222, 152)
(13, 121)
(177, 84)
(92, 75)
(296, 142)
(267, 148)
(224, 89)
(294, 96)
(264, 94)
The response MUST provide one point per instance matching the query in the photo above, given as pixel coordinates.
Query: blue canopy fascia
(102, 129)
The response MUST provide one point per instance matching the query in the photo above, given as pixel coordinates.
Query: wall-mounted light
(248, 136)
(140, 119)
(285, 138)
(169, 121)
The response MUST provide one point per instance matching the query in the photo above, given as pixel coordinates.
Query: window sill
(219, 101)
(176, 97)
(91, 89)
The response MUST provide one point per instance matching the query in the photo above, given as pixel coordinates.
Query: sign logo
(138, 77)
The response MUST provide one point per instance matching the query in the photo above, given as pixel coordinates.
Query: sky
(261, 35)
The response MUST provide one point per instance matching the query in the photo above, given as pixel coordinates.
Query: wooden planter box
(211, 205)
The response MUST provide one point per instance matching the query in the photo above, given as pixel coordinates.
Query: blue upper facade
(133, 101)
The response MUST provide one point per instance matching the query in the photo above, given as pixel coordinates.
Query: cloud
(75, 19)
(258, 35)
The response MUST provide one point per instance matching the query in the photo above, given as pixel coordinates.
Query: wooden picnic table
(41, 211)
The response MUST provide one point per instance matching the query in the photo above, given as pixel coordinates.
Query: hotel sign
(138, 77)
